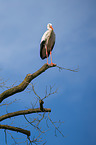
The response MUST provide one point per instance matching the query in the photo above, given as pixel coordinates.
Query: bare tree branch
(35, 92)
(47, 95)
(12, 137)
(32, 124)
(23, 112)
(5, 137)
(17, 129)
(21, 87)
(74, 70)
(6, 104)
(56, 128)
(35, 123)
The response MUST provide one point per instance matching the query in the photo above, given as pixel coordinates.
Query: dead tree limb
(23, 112)
(41, 105)
(24, 83)
(17, 129)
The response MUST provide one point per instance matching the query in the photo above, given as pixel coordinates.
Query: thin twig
(5, 136)
(55, 126)
(33, 124)
(12, 137)
(50, 93)
(73, 70)
(8, 103)
(35, 92)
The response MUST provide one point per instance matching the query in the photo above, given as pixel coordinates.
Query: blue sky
(22, 24)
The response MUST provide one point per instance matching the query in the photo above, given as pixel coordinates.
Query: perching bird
(47, 43)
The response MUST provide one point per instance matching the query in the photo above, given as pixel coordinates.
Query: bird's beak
(51, 27)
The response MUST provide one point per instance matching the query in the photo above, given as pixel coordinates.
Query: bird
(47, 43)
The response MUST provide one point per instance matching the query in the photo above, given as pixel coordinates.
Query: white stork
(47, 43)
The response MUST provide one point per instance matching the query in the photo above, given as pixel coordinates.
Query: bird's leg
(46, 53)
(51, 59)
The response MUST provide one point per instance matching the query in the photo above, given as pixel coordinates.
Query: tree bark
(24, 83)
(19, 88)
(17, 129)
(23, 112)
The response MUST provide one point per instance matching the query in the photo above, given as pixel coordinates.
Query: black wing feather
(42, 50)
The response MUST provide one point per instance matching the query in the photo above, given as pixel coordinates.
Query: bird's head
(49, 26)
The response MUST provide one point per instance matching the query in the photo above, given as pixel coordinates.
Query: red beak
(51, 27)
